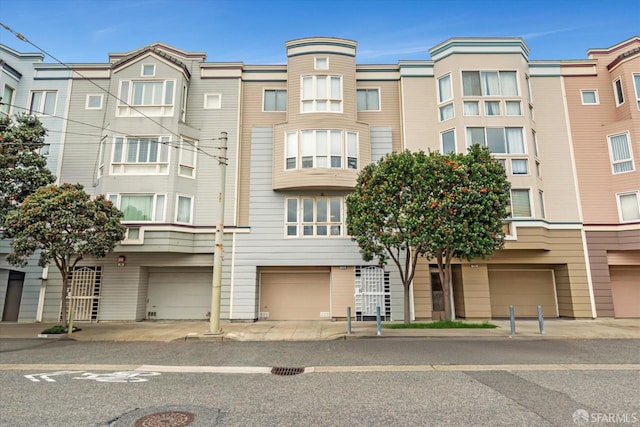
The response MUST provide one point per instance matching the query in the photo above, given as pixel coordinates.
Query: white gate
(372, 291)
(84, 292)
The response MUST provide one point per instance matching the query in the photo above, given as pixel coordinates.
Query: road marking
(321, 369)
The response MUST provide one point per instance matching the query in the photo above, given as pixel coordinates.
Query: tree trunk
(65, 291)
(407, 304)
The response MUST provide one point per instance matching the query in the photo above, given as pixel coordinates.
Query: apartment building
(146, 130)
(147, 134)
(603, 104)
(30, 86)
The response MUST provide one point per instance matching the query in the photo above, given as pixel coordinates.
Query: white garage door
(294, 296)
(525, 290)
(625, 288)
(179, 293)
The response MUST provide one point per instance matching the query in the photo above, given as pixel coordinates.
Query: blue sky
(254, 31)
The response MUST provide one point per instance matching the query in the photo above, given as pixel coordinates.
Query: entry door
(437, 297)
(13, 297)
(372, 291)
(84, 292)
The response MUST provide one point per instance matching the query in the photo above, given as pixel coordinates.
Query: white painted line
(66, 367)
(207, 369)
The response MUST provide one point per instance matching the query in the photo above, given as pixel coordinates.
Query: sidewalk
(166, 331)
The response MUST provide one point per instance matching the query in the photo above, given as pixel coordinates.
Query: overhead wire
(174, 144)
(23, 38)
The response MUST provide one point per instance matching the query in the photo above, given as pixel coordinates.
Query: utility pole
(214, 318)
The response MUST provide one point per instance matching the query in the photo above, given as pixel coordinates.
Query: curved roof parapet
(480, 45)
(312, 45)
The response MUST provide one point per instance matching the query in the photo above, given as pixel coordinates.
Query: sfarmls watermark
(582, 417)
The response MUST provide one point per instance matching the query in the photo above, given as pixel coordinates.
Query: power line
(114, 132)
(23, 38)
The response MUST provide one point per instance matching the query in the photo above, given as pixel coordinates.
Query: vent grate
(286, 372)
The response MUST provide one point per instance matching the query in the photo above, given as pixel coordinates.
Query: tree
(64, 224)
(22, 168)
(412, 204)
(467, 213)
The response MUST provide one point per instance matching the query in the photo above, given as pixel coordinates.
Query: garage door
(179, 293)
(625, 288)
(294, 296)
(525, 290)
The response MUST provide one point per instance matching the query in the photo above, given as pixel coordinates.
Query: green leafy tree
(22, 168)
(466, 213)
(412, 204)
(64, 224)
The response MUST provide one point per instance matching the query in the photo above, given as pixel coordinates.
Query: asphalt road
(390, 382)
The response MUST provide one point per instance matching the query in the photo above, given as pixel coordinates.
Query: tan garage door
(294, 296)
(625, 288)
(525, 290)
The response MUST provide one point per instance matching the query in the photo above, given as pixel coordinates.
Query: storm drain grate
(286, 371)
(166, 419)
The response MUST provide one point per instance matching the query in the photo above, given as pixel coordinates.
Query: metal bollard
(540, 319)
(378, 321)
(348, 320)
(512, 318)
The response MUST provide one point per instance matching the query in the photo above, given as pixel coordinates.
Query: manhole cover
(286, 371)
(166, 419)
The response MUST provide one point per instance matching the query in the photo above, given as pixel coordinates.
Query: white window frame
(455, 142)
(636, 86)
(190, 198)
(183, 104)
(506, 107)
(216, 106)
(504, 129)
(293, 141)
(39, 109)
(520, 159)
(116, 199)
(620, 213)
(367, 90)
(301, 225)
(144, 66)
(87, 104)
(275, 94)
(441, 97)
(617, 84)
(192, 147)
(473, 101)
(122, 166)
(543, 213)
(8, 103)
(531, 211)
(629, 148)
(595, 96)
(482, 86)
(157, 108)
(319, 59)
(446, 112)
(317, 99)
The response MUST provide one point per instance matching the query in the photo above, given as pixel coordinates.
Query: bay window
(155, 97)
(184, 209)
(320, 148)
(629, 204)
(499, 140)
(140, 207)
(187, 166)
(314, 217)
(620, 151)
(489, 83)
(520, 203)
(148, 155)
